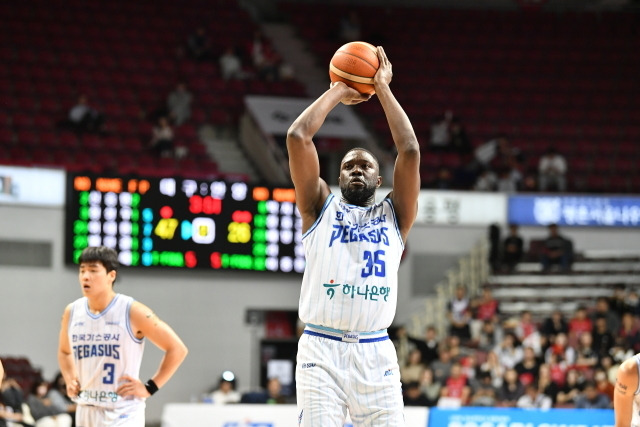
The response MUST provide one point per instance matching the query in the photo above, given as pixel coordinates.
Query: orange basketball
(355, 64)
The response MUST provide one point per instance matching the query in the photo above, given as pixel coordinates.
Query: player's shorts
(96, 416)
(338, 371)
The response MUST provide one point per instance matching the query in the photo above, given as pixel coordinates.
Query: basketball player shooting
(626, 398)
(101, 344)
(353, 247)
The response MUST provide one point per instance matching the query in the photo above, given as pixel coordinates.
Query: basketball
(355, 64)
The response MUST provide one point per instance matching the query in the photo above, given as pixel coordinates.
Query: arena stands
(566, 80)
(126, 57)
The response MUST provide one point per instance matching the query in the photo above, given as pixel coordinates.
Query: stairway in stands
(595, 275)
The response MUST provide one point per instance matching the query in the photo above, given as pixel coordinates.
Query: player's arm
(145, 323)
(311, 190)
(626, 386)
(406, 173)
(65, 357)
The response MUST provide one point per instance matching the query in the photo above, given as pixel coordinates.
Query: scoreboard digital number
(185, 223)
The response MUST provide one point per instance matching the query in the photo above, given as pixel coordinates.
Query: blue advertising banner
(514, 417)
(577, 211)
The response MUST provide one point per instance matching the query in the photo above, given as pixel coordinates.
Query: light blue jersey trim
(131, 334)
(317, 221)
(338, 331)
(103, 312)
(395, 220)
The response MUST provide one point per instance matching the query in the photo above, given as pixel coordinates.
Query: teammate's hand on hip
(130, 386)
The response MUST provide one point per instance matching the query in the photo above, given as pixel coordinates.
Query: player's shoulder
(629, 367)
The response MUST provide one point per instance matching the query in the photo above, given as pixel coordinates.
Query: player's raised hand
(385, 73)
(130, 386)
(350, 95)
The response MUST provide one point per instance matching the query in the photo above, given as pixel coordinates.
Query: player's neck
(98, 303)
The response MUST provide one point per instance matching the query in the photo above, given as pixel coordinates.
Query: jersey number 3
(375, 264)
(109, 368)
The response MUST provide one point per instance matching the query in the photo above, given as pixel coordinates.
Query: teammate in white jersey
(353, 247)
(626, 396)
(101, 344)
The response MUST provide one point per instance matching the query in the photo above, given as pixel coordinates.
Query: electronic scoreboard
(185, 223)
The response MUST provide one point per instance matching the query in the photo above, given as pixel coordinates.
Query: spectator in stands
(12, 395)
(552, 326)
(552, 169)
(586, 356)
(633, 302)
(442, 366)
(526, 330)
(42, 409)
(413, 369)
(602, 309)
(490, 335)
(58, 397)
(404, 345)
(413, 395)
(272, 395)
(350, 27)
(179, 104)
(231, 65)
(528, 367)
(430, 387)
(429, 346)
(617, 302)
(459, 314)
(484, 308)
(162, 138)
(603, 340)
(533, 398)
(592, 398)
(557, 250)
(579, 323)
(629, 334)
(225, 393)
(459, 141)
(199, 45)
(486, 180)
(512, 249)
(603, 384)
(545, 383)
(509, 351)
(509, 177)
(561, 349)
(85, 118)
(440, 135)
(571, 388)
(494, 153)
(511, 389)
(265, 60)
(484, 393)
(456, 385)
(558, 368)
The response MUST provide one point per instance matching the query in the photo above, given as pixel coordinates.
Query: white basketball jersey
(635, 418)
(104, 349)
(350, 280)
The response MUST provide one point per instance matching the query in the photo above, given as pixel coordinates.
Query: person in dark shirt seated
(558, 250)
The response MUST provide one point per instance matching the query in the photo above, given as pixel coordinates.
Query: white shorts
(334, 376)
(96, 416)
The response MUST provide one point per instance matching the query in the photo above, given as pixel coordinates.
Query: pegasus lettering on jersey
(369, 231)
(96, 350)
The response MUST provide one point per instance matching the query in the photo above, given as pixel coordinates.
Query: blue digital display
(574, 211)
